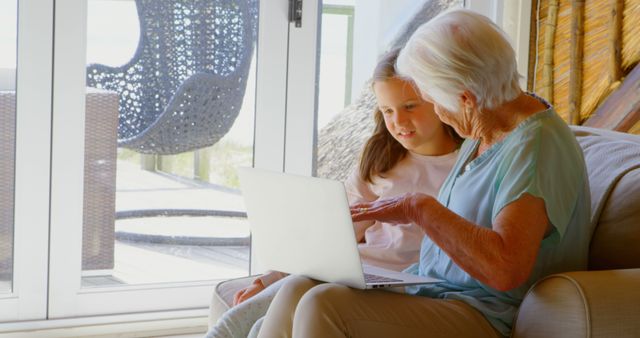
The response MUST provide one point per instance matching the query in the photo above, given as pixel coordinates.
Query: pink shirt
(396, 246)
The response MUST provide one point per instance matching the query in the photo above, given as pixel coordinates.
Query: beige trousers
(305, 308)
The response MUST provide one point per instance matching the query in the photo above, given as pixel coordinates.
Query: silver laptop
(302, 225)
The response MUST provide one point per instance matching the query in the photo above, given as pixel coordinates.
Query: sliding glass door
(25, 124)
(151, 118)
(130, 118)
(8, 43)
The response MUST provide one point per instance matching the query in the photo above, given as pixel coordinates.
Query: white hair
(461, 50)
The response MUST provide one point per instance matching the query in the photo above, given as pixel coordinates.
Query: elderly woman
(515, 207)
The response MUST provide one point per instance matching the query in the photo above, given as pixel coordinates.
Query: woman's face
(462, 122)
(410, 119)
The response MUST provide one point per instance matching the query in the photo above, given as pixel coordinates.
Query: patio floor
(171, 249)
(161, 249)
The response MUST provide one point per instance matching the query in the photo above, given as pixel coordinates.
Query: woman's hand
(397, 210)
(248, 292)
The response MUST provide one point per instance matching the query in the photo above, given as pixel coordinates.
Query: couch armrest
(582, 304)
(222, 298)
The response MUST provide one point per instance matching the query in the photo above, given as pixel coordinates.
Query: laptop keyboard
(369, 278)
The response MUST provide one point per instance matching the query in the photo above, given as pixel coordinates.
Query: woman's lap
(331, 310)
(279, 317)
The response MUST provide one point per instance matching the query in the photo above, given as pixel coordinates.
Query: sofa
(601, 302)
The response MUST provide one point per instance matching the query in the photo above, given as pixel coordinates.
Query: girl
(410, 151)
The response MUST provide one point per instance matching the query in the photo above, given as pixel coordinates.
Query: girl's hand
(396, 210)
(248, 292)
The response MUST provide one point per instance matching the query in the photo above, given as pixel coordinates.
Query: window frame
(28, 298)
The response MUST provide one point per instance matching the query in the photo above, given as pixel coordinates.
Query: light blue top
(540, 157)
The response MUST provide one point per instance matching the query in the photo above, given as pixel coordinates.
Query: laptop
(302, 225)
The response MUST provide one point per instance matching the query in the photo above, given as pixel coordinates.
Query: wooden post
(148, 162)
(621, 110)
(533, 47)
(615, 42)
(547, 64)
(201, 158)
(575, 61)
(164, 163)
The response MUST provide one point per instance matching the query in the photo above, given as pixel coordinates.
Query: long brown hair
(381, 151)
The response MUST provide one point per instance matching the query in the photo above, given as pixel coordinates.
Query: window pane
(8, 39)
(335, 62)
(169, 118)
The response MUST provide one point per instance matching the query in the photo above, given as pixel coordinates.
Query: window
(144, 197)
(166, 217)
(8, 44)
(25, 114)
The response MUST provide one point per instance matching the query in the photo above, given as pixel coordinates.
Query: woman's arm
(501, 257)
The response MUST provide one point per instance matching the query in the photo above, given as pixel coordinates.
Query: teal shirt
(540, 157)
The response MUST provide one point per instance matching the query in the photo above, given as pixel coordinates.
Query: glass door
(8, 44)
(113, 214)
(164, 134)
(25, 110)
(151, 118)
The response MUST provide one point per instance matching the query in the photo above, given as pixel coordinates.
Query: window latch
(295, 12)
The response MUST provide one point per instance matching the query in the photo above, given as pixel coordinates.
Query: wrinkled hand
(248, 292)
(396, 210)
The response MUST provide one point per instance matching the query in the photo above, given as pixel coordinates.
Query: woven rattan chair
(184, 86)
(99, 180)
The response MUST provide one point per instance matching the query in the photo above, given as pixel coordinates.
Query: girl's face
(411, 120)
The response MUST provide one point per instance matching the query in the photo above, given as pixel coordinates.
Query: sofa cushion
(613, 165)
(614, 244)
